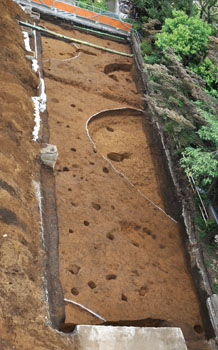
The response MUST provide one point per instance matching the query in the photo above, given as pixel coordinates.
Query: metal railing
(92, 13)
(80, 4)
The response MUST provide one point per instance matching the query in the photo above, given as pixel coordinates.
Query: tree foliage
(161, 9)
(208, 10)
(189, 114)
(188, 36)
(209, 72)
(200, 164)
(202, 161)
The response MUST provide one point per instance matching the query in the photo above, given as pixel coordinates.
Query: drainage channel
(120, 254)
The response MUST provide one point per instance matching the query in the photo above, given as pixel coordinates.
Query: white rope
(85, 308)
(62, 60)
(117, 171)
(67, 59)
(140, 192)
(38, 193)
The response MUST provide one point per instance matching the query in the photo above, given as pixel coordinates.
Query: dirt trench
(120, 254)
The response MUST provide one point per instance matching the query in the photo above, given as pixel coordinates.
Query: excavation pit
(130, 253)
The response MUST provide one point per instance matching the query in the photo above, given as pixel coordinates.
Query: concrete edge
(50, 224)
(212, 304)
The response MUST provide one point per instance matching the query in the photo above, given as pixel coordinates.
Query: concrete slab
(212, 305)
(129, 338)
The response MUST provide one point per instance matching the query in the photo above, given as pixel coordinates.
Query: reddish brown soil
(23, 310)
(119, 255)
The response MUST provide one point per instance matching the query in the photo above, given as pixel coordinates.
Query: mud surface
(119, 254)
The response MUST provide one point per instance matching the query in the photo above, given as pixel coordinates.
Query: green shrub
(130, 21)
(160, 9)
(146, 48)
(202, 161)
(87, 4)
(204, 227)
(154, 58)
(144, 19)
(137, 26)
(186, 35)
(200, 164)
(208, 72)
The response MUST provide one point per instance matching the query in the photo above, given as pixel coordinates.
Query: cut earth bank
(119, 254)
(24, 309)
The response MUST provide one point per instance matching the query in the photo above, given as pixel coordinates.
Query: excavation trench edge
(50, 225)
(163, 161)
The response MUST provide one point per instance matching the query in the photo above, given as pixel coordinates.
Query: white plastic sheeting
(39, 107)
(39, 102)
(37, 188)
(26, 41)
(35, 65)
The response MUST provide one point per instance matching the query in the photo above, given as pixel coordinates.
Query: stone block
(49, 155)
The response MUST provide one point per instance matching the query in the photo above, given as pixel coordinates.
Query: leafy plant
(204, 227)
(130, 21)
(207, 70)
(186, 35)
(97, 5)
(202, 165)
(137, 26)
(209, 132)
(146, 48)
(208, 10)
(153, 58)
(202, 161)
(160, 9)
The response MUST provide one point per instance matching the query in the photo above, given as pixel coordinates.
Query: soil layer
(24, 310)
(120, 255)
